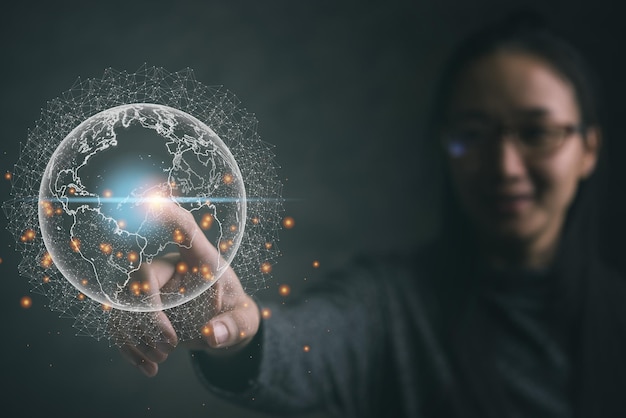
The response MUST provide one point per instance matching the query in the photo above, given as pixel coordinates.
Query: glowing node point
(178, 236)
(26, 302)
(75, 244)
(288, 222)
(266, 313)
(106, 248)
(316, 264)
(8, 175)
(28, 235)
(207, 221)
(107, 193)
(80, 296)
(306, 348)
(132, 257)
(228, 178)
(46, 260)
(268, 245)
(266, 268)
(284, 290)
(182, 267)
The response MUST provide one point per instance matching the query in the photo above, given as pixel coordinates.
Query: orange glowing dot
(306, 348)
(107, 193)
(206, 330)
(206, 272)
(84, 282)
(228, 178)
(71, 191)
(266, 313)
(178, 236)
(1, 260)
(26, 302)
(233, 228)
(132, 256)
(316, 264)
(46, 279)
(145, 286)
(223, 245)
(256, 220)
(58, 211)
(288, 222)
(134, 286)
(8, 176)
(266, 268)
(194, 269)
(80, 296)
(46, 260)
(207, 221)
(119, 254)
(28, 235)
(121, 223)
(268, 245)
(242, 334)
(181, 290)
(181, 267)
(106, 248)
(75, 244)
(106, 307)
(284, 290)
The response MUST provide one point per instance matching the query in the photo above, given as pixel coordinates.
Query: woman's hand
(234, 315)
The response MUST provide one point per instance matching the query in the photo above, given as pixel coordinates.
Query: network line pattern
(94, 189)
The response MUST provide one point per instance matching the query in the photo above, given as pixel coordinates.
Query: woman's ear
(592, 141)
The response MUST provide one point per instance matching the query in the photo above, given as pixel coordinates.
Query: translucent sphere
(101, 197)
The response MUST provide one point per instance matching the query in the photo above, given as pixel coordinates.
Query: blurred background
(340, 88)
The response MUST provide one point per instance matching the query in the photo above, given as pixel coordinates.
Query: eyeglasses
(531, 141)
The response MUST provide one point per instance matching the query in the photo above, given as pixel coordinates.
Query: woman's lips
(510, 204)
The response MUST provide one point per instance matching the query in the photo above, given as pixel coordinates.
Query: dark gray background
(340, 88)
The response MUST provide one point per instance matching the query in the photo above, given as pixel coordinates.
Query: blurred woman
(510, 313)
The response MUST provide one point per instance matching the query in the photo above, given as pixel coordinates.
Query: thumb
(233, 328)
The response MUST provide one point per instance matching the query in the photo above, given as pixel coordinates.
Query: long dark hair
(577, 259)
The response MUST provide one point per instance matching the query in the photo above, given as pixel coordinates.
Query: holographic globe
(101, 204)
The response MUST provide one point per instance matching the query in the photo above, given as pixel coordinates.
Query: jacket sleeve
(323, 350)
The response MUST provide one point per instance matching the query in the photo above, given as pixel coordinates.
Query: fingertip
(148, 368)
(216, 334)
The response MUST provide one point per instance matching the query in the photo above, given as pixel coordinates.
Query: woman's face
(518, 190)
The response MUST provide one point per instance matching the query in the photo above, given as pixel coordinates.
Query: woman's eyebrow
(533, 112)
(473, 115)
(469, 115)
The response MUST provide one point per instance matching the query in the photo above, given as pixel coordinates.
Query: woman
(509, 314)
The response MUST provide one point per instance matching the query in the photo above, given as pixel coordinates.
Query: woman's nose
(508, 161)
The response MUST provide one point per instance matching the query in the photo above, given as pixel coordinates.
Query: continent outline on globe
(202, 177)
